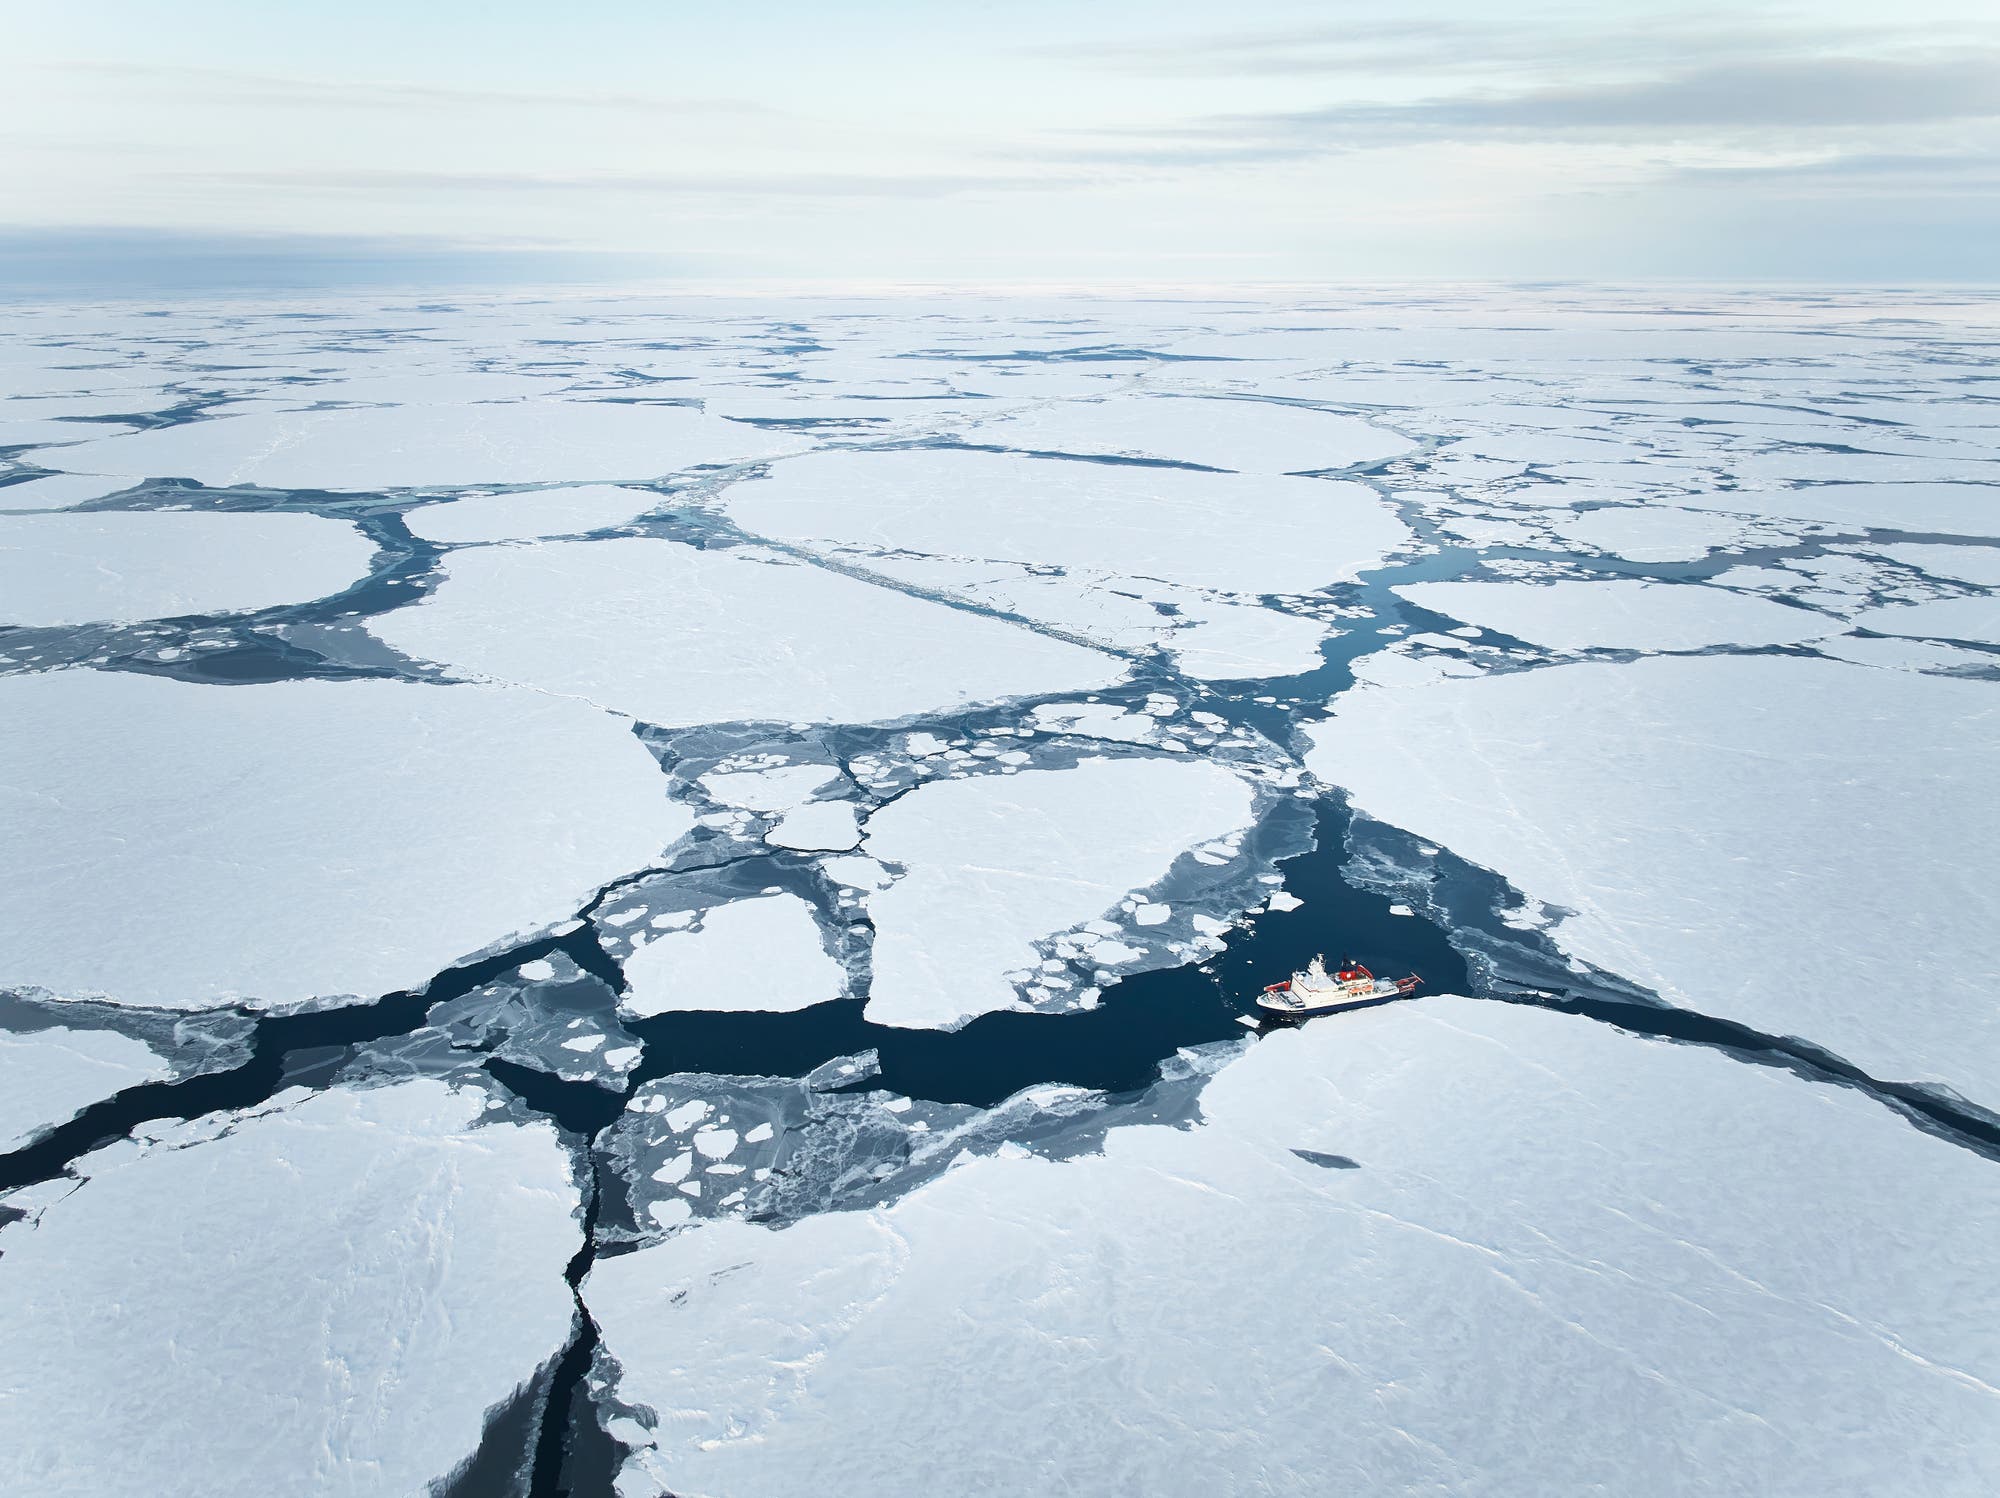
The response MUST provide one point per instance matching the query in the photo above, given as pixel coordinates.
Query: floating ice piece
(298, 841)
(676, 635)
(1674, 1304)
(1096, 720)
(1635, 795)
(300, 1298)
(1945, 508)
(1976, 618)
(1229, 642)
(1979, 565)
(540, 512)
(1235, 533)
(1282, 899)
(1651, 533)
(429, 447)
(763, 953)
(778, 788)
(818, 827)
(997, 862)
(47, 1077)
(57, 491)
(1620, 615)
(156, 564)
(1248, 436)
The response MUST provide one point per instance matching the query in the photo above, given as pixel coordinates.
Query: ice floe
(997, 863)
(532, 513)
(429, 446)
(1807, 847)
(1620, 615)
(1243, 435)
(762, 953)
(57, 491)
(1240, 534)
(1580, 1244)
(1975, 618)
(188, 846)
(154, 564)
(49, 1076)
(329, 1293)
(674, 634)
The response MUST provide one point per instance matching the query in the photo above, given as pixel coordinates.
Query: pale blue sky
(1022, 142)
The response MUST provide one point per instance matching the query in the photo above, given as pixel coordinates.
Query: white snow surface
(280, 843)
(676, 635)
(303, 1303)
(818, 827)
(531, 513)
(1979, 565)
(1246, 436)
(1620, 614)
(58, 491)
(996, 862)
(47, 1077)
(1570, 1279)
(1976, 618)
(429, 446)
(155, 564)
(763, 953)
(1808, 847)
(1238, 533)
(1651, 533)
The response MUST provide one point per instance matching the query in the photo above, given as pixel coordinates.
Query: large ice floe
(1444, 1246)
(153, 564)
(49, 1076)
(993, 864)
(329, 1294)
(429, 446)
(565, 511)
(185, 846)
(761, 953)
(1576, 615)
(674, 634)
(1243, 435)
(1125, 556)
(1807, 847)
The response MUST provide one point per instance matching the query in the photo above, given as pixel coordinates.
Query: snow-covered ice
(996, 863)
(1620, 615)
(1577, 1279)
(187, 846)
(674, 635)
(57, 491)
(1238, 533)
(763, 953)
(49, 1076)
(1808, 847)
(1976, 618)
(1247, 436)
(529, 514)
(302, 1298)
(156, 564)
(429, 446)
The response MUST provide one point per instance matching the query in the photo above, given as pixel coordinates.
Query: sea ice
(57, 491)
(1571, 1279)
(1652, 533)
(539, 512)
(328, 1294)
(429, 446)
(1976, 618)
(156, 564)
(47, 1077)
(1808, 847)
(818, 827)
(1240, 534)
(1247, 436)
(1978, 565)
(281, 843)
(676, 635)
(996, 863)
(763, 953)
(1620, 615)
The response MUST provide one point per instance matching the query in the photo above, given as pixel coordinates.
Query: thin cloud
(380, 93)
(788, 184)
